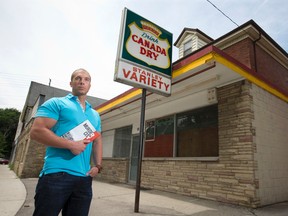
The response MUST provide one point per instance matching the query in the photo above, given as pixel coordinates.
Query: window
(159, 137)
(122, 142)
(188, 47)
(150, 130)
(197, 133)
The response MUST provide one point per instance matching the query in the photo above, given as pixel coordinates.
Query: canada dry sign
(144, 55)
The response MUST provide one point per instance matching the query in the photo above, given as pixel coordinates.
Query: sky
(46, 40)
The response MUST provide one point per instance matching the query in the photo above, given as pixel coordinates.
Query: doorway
(134, 159)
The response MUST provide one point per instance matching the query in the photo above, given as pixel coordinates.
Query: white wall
(108, 139)
(157, 110)
(175, 105)
(271, 123)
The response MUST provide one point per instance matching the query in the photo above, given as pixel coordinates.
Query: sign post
(143, 61)
(140, 151)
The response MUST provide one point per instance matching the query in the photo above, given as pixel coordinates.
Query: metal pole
(141, 140)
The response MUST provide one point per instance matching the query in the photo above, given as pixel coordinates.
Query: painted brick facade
(271, 120)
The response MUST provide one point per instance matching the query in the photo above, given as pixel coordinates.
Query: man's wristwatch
(99, 168)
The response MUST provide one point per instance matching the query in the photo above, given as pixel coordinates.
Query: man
(65, 182)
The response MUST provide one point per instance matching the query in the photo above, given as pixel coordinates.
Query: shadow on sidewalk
(118, 199)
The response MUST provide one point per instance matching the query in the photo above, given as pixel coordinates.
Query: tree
(8, 126)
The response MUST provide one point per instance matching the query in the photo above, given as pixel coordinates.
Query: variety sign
(144, 55)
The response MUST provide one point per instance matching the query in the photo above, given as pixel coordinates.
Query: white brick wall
(271, 124)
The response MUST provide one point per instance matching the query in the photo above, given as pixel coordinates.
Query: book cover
(83, 131)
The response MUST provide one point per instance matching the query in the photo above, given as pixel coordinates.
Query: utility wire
(222, 12)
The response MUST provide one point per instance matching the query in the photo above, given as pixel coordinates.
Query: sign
(144, 55)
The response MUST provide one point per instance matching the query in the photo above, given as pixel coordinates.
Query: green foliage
(3, 145)
(8, 125)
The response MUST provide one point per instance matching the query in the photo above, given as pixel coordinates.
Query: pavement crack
(116, 195)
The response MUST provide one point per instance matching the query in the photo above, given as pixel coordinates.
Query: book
(83, 131)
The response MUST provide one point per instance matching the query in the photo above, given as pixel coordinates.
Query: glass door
(134, 159)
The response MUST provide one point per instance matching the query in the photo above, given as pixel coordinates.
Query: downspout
(254, 50)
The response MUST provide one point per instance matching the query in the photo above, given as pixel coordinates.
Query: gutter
(254, 50)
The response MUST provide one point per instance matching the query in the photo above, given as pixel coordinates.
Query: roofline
(240, 28)
(209, 53)
(251, 75)
(191, 29)
(256, 26)
(127, 94)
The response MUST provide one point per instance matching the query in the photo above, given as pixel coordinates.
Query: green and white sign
(144, 54)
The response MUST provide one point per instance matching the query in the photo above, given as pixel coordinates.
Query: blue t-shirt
(68, 113)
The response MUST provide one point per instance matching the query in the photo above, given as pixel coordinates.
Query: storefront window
(122, 142)
(159, 137)
(197, 133)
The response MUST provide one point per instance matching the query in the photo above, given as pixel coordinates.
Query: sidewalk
(12, 192)
(119, 199)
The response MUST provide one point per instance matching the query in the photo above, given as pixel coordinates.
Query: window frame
(200, 112)
(175, 134)
(117, 153)
(148, 143)
(187, 47)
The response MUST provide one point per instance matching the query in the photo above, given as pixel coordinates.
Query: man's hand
(93, 172)
(78, 146)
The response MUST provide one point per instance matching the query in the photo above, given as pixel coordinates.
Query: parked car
(4, 161)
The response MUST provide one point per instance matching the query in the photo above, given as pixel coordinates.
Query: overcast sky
(48, 39)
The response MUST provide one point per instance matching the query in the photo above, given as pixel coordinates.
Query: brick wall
(29, 155)
(271, 120)
(243, 52)
(20, 152)
(115, 170)
(262, 62)
(231, 178)
(269, 68)
(34, 160)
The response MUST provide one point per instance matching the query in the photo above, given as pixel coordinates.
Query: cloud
(48, 39)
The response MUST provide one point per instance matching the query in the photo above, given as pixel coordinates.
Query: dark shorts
(62, 191)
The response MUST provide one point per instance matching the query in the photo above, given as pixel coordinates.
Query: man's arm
(98, 150)
(97, 154)
(41, 132)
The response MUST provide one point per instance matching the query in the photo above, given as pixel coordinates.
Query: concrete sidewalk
(119, 199)
(12, 192)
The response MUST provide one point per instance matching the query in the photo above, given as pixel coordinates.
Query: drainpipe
(254, 50)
